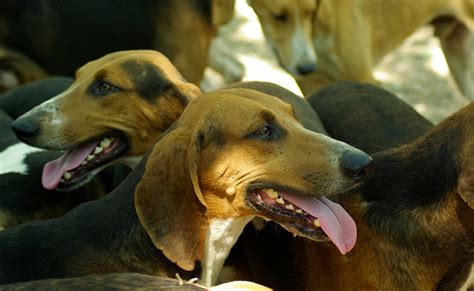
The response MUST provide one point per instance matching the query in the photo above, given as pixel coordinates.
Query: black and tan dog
(414, 211)
(62, 35)
(233, 154)
(135, 110)
(115, 109)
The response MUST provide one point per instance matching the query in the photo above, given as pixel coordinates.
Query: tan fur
(75, 116)
(350, 37)
(287, 25)
(189, 171)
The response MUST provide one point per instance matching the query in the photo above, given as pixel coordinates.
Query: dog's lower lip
(290, 216)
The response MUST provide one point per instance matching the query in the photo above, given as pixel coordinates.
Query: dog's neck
(221, 237)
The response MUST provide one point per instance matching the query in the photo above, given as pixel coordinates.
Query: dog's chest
(13, 158)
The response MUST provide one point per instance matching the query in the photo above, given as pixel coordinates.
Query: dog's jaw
(221, 237)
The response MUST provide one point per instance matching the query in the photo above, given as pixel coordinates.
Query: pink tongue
(54, 170)
(335, 221)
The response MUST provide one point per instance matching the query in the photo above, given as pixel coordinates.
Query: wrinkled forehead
(231, 106)
(132, 63)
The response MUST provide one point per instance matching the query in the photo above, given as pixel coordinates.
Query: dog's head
(114, 110)
(239, 153)
(287, 25)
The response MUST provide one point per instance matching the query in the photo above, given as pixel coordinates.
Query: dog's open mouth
(76, 164)
(318, 219)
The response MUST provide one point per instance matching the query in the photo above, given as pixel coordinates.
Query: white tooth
(259, 197)
(316, 223)
(105, 143)
(299, 211)
(289, 207)
(67, 175)
(271, 193)
(83, 162)
(280, 200)
(90, 157)
(98, 150)
(62, 180)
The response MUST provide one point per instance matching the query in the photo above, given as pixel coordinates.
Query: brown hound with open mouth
(115, 109)
(233, 154)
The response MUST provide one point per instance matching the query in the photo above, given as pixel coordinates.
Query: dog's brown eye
(263, 131)
(104, 87)
(281, 16)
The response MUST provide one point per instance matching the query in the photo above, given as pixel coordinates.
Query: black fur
(368, 117)
(147, 79)
(107, 228)
(7, 138)
(19, 100)
(404, 181)
(63, 35)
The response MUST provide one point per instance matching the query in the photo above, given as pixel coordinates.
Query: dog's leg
(457, 43)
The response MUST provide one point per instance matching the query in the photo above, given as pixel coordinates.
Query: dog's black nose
(355, 164)
(307, 68)
(24, 129)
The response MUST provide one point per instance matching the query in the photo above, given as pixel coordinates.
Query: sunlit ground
(416, 72)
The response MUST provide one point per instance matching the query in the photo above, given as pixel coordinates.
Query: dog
(232, 155)
(128, 281)
(350, 38)
(287, 26)
(61, 36)
(136, 114)
(414, 211)
(127, 99)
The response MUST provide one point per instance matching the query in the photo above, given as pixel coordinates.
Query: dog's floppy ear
(222, 12)
(188, 90)
(169, 202)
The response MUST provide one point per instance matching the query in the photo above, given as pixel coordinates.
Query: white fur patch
(13, 158)
(469, 284)
(221, 237)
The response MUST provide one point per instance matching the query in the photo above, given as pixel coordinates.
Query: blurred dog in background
(59, 36)
(350, 37)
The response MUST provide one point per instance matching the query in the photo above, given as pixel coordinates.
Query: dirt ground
(417, 71)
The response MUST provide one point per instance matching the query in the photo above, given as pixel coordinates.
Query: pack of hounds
(117, 172)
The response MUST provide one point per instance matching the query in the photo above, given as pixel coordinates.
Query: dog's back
(366, 116)
(19, 100)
